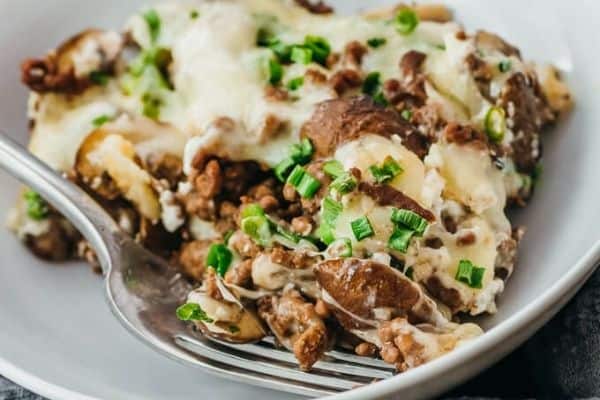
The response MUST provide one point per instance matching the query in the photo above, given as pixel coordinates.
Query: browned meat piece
(449, 296)
(340, 120)
(192, 258)
(292, 259)
(367, 289)
(315, 7)
(527, 112)
(275, 94)
(315, 76)
(239, 273)
(354, 52)
(244, 245)
(58, 243)
(408, 346)
(465, 134)
(208, 183)
(311, 206)
(165, 166)
(507, 254)
(490, 41)
(296, 325)
(57, 71)
(411, 62)
(386, 195)
(344, 80)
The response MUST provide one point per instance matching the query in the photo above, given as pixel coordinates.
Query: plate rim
(541, 309)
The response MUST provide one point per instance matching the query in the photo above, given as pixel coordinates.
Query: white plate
(58, 338)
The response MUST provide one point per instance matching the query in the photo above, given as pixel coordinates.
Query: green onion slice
(283, 169)
(400, 239)
(296, 83)
(302, 153)
(387, 171)
(306, 184)
(219, 257)
(100, 120)
(344, 183)
(341, 247)
(406, 114)
(275, 71)
(153, 21)
(35, 205)
(301, 55)
(376, 42)
(326, 234)
(333, 168)
(495, 124)
(406, 21)
(361, 228)
(194, 14)
(99, 77)
(192, 312)
(371, 83)
(470, 274)
(319, 48)
(252, 210)
(410, 220)
(258, 228)
(504, 65)
(331, 210)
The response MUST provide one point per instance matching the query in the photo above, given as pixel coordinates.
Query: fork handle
(77, 206)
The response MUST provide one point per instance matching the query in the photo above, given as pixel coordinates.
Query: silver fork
(143, 292)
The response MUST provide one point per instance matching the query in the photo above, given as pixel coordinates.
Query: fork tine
(325, 366)
(272, 368)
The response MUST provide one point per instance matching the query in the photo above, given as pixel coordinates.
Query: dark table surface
(561, 361)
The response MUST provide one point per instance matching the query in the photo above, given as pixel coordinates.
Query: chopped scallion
(400, 239)
(296, 176)
(333, 168)
(504, 65)
(301, 55)
(192, 312)
(410, 220)
(283, 169)
(252, 210)
(100, 120)
(306, 184)
(406, 21)
(319, 48)
(376, 42)
(219, 257)
(153, 21)
(495, 124)
(275, 71)
(406, 114)
(341, 247)
(99, 77)
(296, 83)
(151, 103)
(326, 234)
(470, 274)
(361, 228)
(234, 329)
(371, 83)
(194, 14)
(302, 153)
(35, 205)
(331, 210)
(344, 183)
(387, 171)
(258, 228)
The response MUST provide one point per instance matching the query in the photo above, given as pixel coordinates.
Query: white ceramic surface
(58, 338)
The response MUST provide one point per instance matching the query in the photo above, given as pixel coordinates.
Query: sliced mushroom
(296, 325)
(364, 292)
(103, 153)
(340, 120)
(67, 69)
(228, 319)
